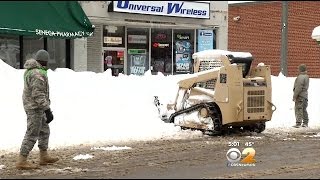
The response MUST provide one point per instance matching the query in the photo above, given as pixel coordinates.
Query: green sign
(136, 51)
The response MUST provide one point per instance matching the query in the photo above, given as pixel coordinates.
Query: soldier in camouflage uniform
(36, 103)
(300, 97)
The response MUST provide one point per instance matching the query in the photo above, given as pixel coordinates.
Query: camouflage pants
(37, 130)
(301, 113)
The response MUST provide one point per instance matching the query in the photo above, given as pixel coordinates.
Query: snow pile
(81, 156)
(112, 148)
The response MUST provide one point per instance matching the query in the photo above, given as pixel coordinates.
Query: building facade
(15, 47)
(24, 31)
(256, 27)
(132, 37)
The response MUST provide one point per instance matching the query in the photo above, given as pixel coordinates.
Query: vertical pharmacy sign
(137, 58)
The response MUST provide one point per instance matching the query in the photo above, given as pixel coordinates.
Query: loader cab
(207, 59)
(244, 61)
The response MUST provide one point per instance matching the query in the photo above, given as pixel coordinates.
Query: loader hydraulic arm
(202, 76)
(199, 77)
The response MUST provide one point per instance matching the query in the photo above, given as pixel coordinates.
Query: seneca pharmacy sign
(165, 8)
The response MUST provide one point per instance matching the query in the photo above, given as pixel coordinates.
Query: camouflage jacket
(301, 86)
(36, 86)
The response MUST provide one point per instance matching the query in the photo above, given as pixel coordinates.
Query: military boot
(297, 125)
(22, 164)
(46, 159)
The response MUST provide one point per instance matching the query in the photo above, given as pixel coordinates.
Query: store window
(30, 47)
(138, 50)
(183, 50)
(57, 51)
(113, 36)
(114, 41)
(10, 50)
(161, 51)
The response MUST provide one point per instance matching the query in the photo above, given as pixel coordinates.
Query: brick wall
(258, 31)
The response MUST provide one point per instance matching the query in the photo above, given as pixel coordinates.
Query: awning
(56, 19)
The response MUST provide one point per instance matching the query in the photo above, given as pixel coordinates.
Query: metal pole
(284, 38)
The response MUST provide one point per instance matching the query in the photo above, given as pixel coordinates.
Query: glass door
(161, 51)
(138, 50)
(183, 50)
(114, 60)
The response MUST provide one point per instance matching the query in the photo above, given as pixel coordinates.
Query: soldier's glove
(49, 115)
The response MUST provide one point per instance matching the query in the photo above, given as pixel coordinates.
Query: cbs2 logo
(234, 155)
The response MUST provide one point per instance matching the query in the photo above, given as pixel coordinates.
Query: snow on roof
(215, 53)
(316, 33)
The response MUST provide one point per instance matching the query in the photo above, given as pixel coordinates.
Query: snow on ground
(94, 108)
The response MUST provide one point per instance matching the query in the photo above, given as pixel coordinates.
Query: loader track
(216, 116)
(213, 113)
(187, 110)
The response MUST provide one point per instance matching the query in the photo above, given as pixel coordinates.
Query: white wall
(80, 54)
(219, 11)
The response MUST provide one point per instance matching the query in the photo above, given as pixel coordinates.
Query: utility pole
(284, 39)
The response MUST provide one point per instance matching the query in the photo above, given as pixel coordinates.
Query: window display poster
(158, 66)
(205, 40)
(183, 63)
(108, 61)
(183, 56)
(138, 61)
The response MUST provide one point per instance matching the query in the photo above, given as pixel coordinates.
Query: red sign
(120, 53)
(160, 45)
(160, 36)
(155, 45)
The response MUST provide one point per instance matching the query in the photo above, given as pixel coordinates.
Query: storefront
(26, 27)
(161, 36)
(161, 50)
